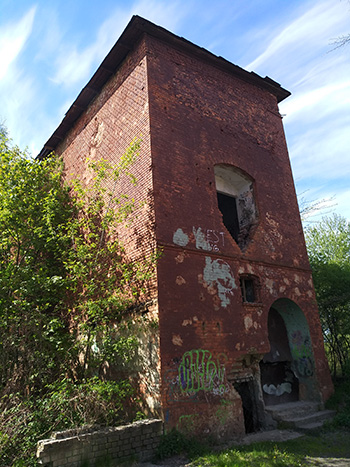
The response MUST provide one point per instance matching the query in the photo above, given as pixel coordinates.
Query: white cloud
(321, 153)
(74, 65)
(309, 32)
(13, 37)
(319, 102)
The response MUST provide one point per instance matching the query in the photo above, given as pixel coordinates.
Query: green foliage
(66, 404)
(328, 245)
(175, 442)
(340, 401)
(34, 211)
(66, 291)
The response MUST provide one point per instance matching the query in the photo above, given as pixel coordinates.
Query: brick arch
(288, 370)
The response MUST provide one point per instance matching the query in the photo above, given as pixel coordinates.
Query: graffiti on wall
(219, 273)
(205, 239)
(198, 371)
(302, 353)
(188, 423)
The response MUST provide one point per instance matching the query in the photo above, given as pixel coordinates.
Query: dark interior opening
(228, 207)
(250, 409)
(278, 380)
(248, 290)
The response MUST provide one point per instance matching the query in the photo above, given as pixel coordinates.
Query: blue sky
(50, 48)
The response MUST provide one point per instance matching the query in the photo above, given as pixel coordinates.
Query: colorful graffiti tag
(198, 371)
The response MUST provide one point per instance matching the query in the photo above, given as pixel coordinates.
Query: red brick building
(238, 320)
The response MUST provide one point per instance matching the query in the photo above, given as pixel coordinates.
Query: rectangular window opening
(248, 290)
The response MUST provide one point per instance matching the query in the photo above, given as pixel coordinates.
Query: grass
(293, 453)
(313, 449)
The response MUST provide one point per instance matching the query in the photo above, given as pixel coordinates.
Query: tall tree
(328, 244)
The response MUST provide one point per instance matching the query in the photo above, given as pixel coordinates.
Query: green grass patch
(258, 456)
(293, 453)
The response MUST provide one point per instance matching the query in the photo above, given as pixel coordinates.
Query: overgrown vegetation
(66, 291)
(174, 442)
(309, 450)
(328, 244)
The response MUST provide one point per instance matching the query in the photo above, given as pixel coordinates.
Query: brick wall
(201, 116)
(117, 115)
(106, 447)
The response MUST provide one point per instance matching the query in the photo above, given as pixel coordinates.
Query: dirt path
(328, 462)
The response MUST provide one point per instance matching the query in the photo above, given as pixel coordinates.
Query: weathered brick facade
(223, 352)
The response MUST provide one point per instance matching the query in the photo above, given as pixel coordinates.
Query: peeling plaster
(180, 258)
(270, 285)
(180, 280)
(190, 321)
(180, 238)
(248, 322)
(97, 139)
(219, 273)
(297, 278)
(176, 340)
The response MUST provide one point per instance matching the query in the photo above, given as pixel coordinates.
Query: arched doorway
(287, 371)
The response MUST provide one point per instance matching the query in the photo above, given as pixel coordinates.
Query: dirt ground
(328, 462)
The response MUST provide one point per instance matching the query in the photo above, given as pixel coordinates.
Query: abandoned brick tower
(238, 322)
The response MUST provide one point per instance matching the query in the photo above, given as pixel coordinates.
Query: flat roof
(132, 33)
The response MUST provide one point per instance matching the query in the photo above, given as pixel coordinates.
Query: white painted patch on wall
(180, 238)
(218, 273)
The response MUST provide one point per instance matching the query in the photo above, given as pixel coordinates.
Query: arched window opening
(236, 202)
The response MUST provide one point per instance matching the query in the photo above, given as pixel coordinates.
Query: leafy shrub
(340, 401)
(66, 291)
(174, 442)
(65, 405)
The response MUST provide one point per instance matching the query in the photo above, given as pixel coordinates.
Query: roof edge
(126, 42)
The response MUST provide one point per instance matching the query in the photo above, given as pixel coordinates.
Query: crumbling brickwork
(107, 446)
(220, 292)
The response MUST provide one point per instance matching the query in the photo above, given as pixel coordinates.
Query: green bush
(65, 405)
(174, 442)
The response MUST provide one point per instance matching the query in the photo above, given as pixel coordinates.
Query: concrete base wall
(106, 447)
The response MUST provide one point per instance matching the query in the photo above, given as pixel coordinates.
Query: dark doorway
(246, 390)
(278, 381)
